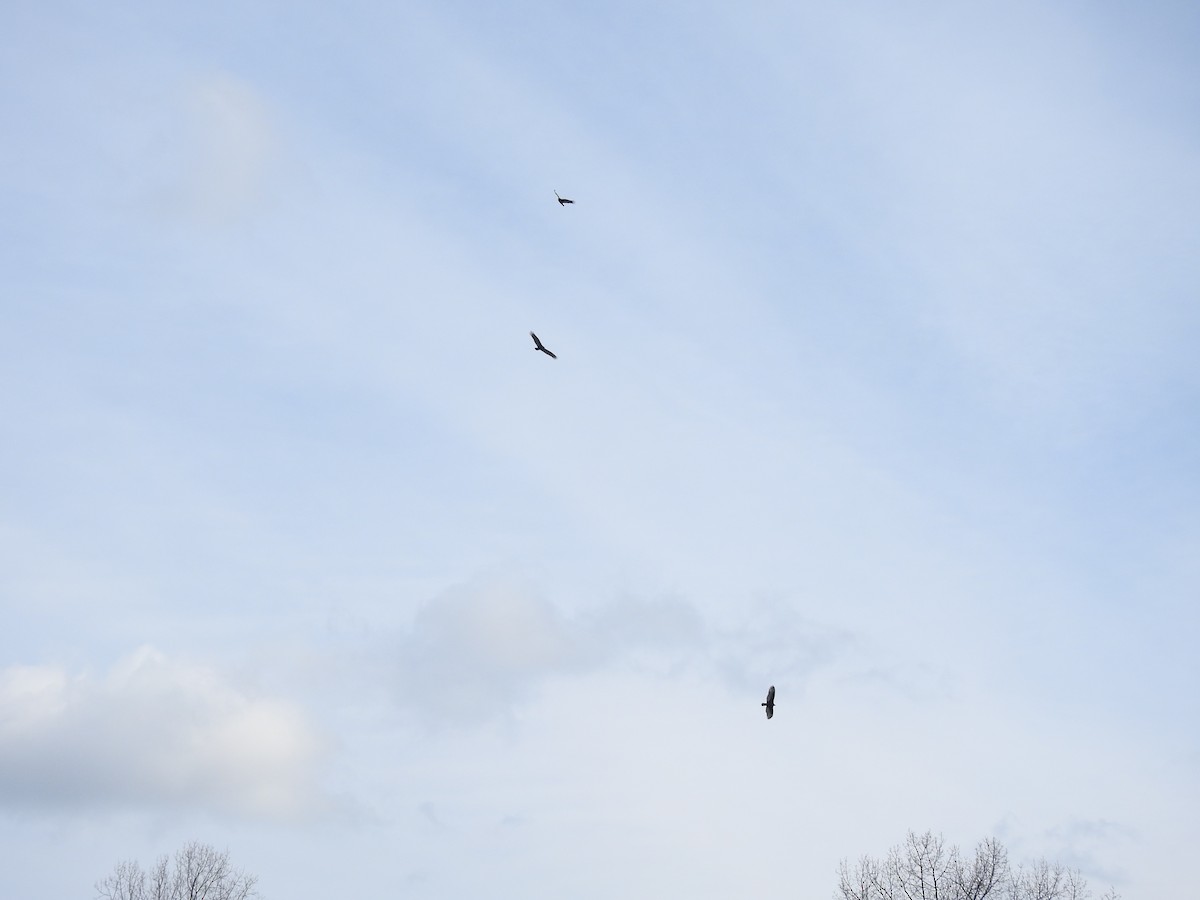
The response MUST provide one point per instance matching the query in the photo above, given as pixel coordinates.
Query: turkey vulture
(562, 201)
(770, 704)
(537, 345)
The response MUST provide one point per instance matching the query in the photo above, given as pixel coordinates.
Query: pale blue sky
(877, 381)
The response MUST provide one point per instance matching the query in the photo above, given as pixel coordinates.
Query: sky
(876, 382)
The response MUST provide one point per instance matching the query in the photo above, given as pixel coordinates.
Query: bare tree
(986, 872)
(860, 883)
(198, 872)
(1048, 881)
(924, 868)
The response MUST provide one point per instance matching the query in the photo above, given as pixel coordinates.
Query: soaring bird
(537, 345)
(770, 704)
(562, 201)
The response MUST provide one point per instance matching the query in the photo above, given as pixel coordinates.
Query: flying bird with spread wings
(537, 345)
(562, 201)
(770, 704)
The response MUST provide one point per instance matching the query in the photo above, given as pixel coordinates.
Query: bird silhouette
(562, 201)
(537, 345)
(770, 704)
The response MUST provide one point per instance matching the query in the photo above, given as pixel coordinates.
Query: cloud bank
(153, 733)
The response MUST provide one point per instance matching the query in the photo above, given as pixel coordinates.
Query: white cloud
(153, 733)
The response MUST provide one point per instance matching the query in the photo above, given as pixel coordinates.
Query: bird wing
(548, 353)
(771, 696)
(770, 710)
(536, 342)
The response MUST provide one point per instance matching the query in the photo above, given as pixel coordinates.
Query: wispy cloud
(231, 143)
(1089, 845)
(478, 650)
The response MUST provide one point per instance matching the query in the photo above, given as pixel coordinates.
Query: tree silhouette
(198, 872)
(923, 866)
